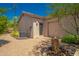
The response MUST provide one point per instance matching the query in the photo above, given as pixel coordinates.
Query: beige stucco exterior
(52, 28)
(65, 26)
(35, 29)
(25, 24)
(30, 24)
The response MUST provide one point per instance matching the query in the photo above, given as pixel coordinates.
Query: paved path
(17, 47)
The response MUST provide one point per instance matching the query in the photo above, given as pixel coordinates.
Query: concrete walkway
(17, 47)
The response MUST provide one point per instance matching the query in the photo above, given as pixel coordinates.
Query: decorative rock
(76, 53)
(54, 49)
(44, 54)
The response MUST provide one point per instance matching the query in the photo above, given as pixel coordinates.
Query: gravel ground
(18, 47)
(76, 53)
(45, 48)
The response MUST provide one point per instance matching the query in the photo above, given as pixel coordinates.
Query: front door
(41, 28)
(22, 34)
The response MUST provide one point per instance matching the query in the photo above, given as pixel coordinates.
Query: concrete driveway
(17, 47)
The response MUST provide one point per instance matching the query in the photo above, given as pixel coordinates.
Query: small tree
(10, 24)
(64, 10)
(3, 24)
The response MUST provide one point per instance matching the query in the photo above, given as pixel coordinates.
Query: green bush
(71, 39)
(15, 34)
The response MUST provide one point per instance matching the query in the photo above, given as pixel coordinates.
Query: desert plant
(61, 10)
(10, 24)
(71, 39)
(15, 34)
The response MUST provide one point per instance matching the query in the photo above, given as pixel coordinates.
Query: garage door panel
(54, 29)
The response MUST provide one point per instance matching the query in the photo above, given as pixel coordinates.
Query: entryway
(41, 28)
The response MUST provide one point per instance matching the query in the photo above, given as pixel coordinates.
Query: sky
(40, 9)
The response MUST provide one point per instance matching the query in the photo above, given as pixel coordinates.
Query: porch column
(35, 29)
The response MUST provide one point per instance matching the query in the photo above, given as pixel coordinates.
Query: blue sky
(35, 8)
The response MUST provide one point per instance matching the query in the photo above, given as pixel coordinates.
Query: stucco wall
(53, 28)
(35, 29)
(25, 25)
(30, 26)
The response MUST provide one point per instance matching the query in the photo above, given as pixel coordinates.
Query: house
(31, 25)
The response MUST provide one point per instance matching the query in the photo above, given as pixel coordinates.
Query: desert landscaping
(34, 47)
(26, 31)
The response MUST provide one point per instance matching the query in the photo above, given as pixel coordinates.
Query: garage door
(54, 29)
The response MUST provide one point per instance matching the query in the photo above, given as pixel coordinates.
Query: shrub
(71, 39)
(15, 34)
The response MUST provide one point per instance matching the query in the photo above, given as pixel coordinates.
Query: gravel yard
(10, 46)
(17, 47)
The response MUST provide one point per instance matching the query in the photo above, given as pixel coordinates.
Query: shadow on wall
(3, 42)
